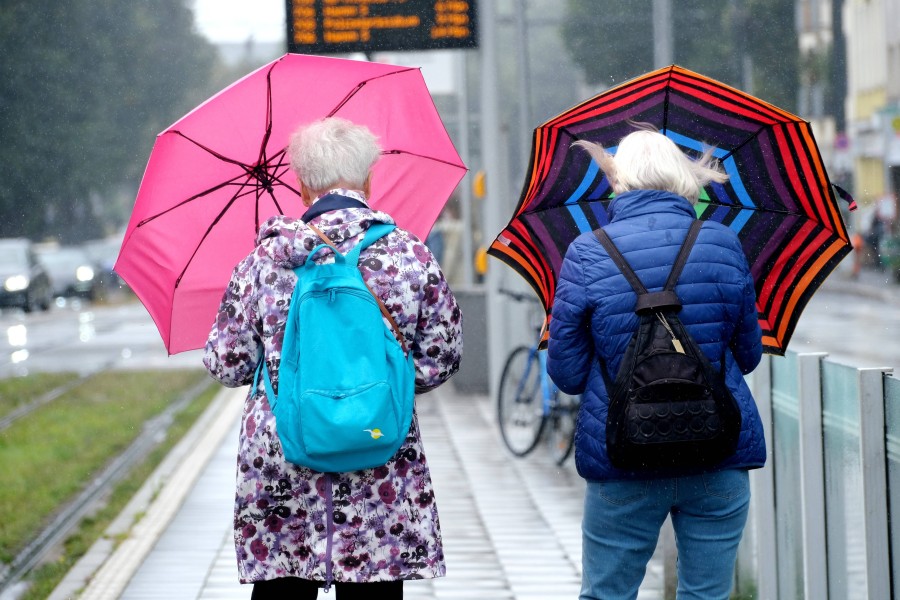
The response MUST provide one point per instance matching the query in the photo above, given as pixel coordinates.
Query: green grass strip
(49, 455)
(46, 577)
(16, 391)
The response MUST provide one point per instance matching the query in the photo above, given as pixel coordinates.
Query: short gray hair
(648, 160)
(333, 150)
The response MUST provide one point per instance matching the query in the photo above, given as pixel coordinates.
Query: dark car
(103, 254)
(26, 284)
(71, 270)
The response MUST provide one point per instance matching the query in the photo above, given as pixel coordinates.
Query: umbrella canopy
(221, 170)
(778, 198)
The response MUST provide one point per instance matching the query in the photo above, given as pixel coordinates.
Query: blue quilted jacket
(593, 317)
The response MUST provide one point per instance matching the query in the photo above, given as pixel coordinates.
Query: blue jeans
(621, 527)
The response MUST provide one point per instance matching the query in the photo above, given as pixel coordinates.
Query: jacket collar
(330, 202)
(645, 202)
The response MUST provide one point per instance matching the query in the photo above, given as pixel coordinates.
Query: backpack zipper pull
(675, 342)
(331, 294)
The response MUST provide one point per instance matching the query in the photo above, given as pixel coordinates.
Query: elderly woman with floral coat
(296, 529)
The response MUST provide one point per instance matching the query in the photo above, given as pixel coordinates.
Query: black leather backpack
(669, 409)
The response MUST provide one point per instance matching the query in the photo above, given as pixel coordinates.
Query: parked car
(103, 253)
(26, 284)
(71, 271)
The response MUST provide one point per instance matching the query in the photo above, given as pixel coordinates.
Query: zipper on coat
(329, 531)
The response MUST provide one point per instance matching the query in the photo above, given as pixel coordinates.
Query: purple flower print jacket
(289, 521)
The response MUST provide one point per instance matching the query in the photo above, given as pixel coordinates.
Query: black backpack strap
(682, 257)
(620, 261)
(649, 301)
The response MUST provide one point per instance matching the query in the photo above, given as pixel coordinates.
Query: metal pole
(465, 200)
(812, 476)
(762, 490)
(663, 41)
(496, 188)
(525, 127)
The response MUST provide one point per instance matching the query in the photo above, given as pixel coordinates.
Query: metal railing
(822, 520)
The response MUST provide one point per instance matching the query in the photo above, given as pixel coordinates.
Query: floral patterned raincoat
(289, 521)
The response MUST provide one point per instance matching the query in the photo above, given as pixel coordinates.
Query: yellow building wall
(869, 176)
(869, 102)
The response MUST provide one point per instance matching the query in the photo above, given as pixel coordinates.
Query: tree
(613, 42)
(86, 86)
(774, 49)
(616, 43)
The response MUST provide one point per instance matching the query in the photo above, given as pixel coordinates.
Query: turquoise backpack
(345, 384)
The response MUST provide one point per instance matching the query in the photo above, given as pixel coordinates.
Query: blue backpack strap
(264, 369)
(373, 234)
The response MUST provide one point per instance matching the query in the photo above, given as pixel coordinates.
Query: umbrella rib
(221, 157)
(261, 159)
(233, 181)
(205, 235)
(251, 171)
(238, 194)
(191, 199)
(276, 176)
(431, 158)
(360, 86)
(665, 123)
(746, 141)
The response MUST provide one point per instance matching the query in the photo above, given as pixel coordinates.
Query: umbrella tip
(846, 196)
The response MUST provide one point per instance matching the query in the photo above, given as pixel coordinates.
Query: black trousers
(294, 588)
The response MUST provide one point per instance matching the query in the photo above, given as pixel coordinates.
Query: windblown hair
(648, 160)
(332, 150)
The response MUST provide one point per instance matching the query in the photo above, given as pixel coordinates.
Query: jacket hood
(640, 203)
(287, 241)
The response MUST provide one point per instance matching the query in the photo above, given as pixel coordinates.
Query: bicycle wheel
(520, 407)
(563, 416)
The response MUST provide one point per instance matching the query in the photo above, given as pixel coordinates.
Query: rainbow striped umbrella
(778, 198)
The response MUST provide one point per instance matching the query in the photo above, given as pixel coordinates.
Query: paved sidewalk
(511, 526)
(868, 283)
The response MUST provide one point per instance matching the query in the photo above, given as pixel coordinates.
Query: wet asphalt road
(856, 322)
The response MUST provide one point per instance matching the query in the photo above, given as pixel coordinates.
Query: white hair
(648, 160)
(331, 151)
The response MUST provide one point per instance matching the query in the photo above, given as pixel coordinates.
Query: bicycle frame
(523, 419)
(548, 388)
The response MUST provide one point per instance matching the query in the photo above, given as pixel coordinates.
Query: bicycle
(530, 406)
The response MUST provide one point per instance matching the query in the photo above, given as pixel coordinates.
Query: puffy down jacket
(593, 317)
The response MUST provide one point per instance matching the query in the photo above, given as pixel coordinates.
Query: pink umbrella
(221, 170)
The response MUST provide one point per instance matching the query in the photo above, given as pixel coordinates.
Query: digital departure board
(339, 26)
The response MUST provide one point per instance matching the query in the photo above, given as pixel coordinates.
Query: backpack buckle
(656, 301)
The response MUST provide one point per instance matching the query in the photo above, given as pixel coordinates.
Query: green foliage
(613, 41)
(49, 455)
(86, 86)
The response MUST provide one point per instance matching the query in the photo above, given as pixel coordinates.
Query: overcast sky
(264, 20)
(236, 20)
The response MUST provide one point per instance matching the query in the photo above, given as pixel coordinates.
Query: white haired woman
(295, 529)
(592, 323)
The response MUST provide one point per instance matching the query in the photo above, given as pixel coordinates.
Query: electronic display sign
(340, 26)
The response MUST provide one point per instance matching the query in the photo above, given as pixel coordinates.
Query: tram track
(29, 407)
(71, 514)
